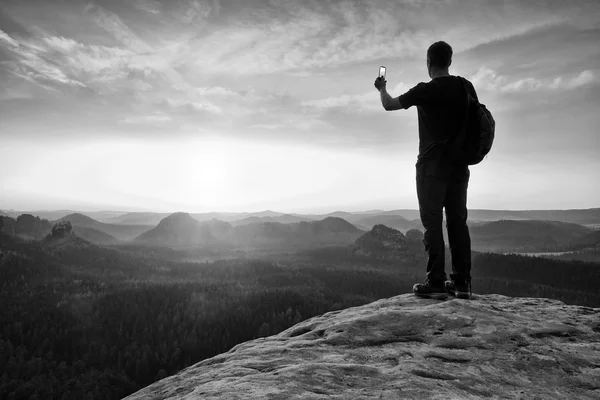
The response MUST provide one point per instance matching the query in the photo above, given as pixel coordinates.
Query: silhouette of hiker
(440, 182)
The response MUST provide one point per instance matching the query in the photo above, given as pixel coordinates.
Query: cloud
(113, 24)
(216, 91)
(147, 119)
(133, 69)
(196, 9)
(149, 6)
(146, 55)
(61, 44)
(365, 102)
(194, 105)
(68, 62)
(294, 37)
(279, 68)
(110, 69)
(289, 37)
(93, 62)
(28, 64)
(586, 77)
(487, 79)
(268, 126)
(339, 101)
(7, 39)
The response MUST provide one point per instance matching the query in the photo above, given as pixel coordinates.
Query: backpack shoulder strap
(463, 129)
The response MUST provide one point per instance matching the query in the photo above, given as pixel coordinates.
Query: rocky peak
(406, 347)
(382, 242)
(62, 229)
(414, 235)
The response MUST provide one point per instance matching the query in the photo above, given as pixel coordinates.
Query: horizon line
(274, 211)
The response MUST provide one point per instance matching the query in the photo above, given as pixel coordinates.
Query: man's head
(439, 57)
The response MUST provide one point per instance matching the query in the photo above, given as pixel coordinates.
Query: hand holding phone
(380, 81)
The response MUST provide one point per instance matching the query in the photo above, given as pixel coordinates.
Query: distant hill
(331, 230)
(326, 226)
(50, 215)
(341, 214)
(177, 230)
(217, 228)
(117, 231)
(406, 213)
(393, 221)
(262, 216)
(25, 226)
(95, 236)
(267, 213)
(137, 218)
(351, 217)
(69, 242)
(181, 229)
(525, 236)
(578, 216)
(79, 219)
(53, 215)
(591, 240)
(7, 225)
(283, 219)
(382, 242)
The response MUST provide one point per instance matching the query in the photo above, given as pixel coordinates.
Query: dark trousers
(442, 186)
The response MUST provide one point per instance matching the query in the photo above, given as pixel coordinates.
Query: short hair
(440, 54)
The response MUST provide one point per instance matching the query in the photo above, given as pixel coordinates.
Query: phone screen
(382, 71)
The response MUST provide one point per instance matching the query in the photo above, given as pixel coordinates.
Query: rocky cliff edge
(404, 347)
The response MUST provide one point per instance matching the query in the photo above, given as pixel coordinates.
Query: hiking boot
(430, 290)
(459, 289)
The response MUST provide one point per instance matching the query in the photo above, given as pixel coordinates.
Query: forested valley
(80, 321)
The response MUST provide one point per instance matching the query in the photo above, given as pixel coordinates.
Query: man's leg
(431, 193)
(458, 231)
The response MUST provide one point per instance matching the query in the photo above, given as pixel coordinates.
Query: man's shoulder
(448, 79)
(466, 81)
(469, 86)
(443, 82)
(420, 85)
(425, 88)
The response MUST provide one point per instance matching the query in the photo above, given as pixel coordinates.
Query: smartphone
(382, 72)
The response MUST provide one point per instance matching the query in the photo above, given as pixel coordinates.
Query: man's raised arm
(388, 102)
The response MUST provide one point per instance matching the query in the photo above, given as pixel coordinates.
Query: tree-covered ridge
(527, 235)
(25, 226)
(109, 328)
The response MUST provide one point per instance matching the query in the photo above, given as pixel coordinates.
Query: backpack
(476, 136)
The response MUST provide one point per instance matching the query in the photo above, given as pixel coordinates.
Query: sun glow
(206, 174)
(204, 171)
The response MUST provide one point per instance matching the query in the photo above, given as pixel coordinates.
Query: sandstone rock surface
(404, 347)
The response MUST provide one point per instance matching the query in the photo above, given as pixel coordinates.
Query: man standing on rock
(440, 182)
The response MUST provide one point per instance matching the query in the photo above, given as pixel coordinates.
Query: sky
(208, 105)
